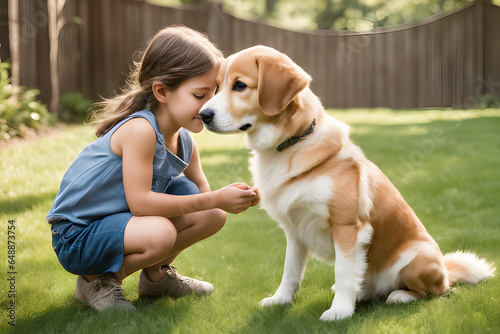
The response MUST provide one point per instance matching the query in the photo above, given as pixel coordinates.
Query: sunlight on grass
(385, 116)
(209, 141)
(446, 163)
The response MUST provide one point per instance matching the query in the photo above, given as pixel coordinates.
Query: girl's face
(184, 103)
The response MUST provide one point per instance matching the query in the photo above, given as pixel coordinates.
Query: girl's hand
(256, 200)
(235, 198)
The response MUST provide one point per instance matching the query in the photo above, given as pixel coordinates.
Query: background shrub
(74, 107)
(20, 111)
(489, 100)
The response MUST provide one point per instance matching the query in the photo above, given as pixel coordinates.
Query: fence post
(83, 11)
(479, 44)
(215, 26)
(14, 41)
(4, 26)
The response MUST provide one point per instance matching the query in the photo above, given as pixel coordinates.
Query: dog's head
(254, 85)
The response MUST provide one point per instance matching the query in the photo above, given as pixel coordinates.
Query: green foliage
(75, 107)
(489, 100)
(360, 15)
(20, 112)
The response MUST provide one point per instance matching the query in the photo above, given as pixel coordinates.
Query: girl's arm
(194, 172)
(135, 142)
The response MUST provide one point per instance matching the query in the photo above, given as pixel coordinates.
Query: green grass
(445, 163)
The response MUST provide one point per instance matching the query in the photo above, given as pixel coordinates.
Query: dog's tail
(467, 267)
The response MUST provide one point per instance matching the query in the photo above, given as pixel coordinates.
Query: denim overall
(90, 211)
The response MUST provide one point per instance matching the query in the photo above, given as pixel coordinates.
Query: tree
(56, 23)
(340, 14)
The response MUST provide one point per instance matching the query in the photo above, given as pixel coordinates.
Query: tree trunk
(56, 23)
(14, 35)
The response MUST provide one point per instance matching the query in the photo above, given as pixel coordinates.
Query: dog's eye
(216, 89)
(239, 86)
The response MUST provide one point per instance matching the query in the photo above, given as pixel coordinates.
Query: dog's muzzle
(207, 115)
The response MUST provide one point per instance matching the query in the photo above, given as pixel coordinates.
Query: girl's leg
(147, 241)
(151, 242)
(191, 228)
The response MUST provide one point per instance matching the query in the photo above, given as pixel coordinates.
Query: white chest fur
(301, 207)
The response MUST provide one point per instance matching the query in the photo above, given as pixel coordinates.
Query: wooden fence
(447, 60)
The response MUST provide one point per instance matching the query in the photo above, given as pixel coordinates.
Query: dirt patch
(33, 135)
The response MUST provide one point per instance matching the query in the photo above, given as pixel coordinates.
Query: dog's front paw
(337, 313)
(275, 300)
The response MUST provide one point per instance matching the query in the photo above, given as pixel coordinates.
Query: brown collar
(294, 140)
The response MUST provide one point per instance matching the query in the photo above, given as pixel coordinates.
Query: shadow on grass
(73, 316)
(284, 319)
(25, 202)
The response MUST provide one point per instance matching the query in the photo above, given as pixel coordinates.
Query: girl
(124, 204)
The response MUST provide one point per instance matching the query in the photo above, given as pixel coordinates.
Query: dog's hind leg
(426, 274)
(295, 264)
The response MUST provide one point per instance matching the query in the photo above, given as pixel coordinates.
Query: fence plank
(442, 61)
(492, 49)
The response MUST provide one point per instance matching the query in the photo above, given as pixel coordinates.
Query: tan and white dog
(326, 195)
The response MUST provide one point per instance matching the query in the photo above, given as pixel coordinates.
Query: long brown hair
(173, 55)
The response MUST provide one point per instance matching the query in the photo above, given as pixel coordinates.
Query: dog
(329, 199)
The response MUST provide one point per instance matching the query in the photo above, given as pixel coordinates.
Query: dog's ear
(280, 80)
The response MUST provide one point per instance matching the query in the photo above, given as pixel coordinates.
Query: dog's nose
(207, 115)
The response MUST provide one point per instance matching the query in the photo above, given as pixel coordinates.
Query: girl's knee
(162, 236)
(210, 222)
(218, 218)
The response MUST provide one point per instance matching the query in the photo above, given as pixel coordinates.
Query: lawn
(446, 163)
